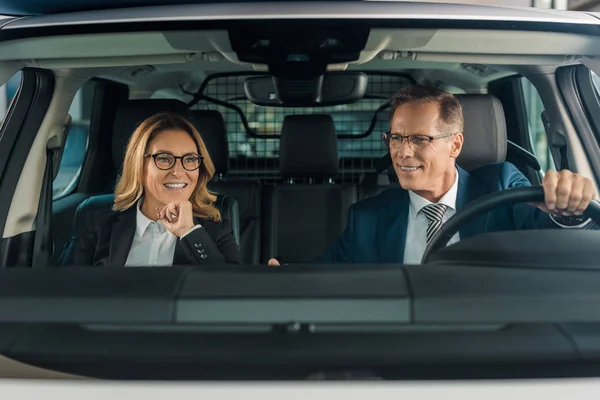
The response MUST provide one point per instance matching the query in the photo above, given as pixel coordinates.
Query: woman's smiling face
(162, 186)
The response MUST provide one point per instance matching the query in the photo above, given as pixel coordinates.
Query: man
(424, 141)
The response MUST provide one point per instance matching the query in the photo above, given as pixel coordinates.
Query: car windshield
(287, 190)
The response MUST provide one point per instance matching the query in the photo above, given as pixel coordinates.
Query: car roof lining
(214, 44)
(44, 7)
(374, 10)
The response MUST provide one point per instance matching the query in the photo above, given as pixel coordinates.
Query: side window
(537, 133)
(8, 92)
(588, 87)
(76, 145)
(596, 81)
(591, 104)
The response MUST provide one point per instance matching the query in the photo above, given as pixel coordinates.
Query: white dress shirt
(153, 245)
(416, 231)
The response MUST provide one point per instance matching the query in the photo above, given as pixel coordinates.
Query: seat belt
(42, 253)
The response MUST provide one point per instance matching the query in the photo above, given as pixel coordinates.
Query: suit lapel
(121, 237)
(469, 189)
(391, 228)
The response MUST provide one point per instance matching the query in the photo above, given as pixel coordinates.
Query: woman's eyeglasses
(166, 161)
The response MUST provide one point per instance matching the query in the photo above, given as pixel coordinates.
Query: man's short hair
(451, 115)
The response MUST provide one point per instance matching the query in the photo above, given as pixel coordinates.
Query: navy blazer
(376, 227)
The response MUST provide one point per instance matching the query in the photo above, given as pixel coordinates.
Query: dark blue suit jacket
(376, 227)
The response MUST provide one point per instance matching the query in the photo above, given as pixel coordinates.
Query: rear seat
(301, 220)
(374, 183)
(211, 126)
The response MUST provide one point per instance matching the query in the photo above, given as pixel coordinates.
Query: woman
(163, 213)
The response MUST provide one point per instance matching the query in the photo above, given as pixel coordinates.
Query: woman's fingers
(172, 212)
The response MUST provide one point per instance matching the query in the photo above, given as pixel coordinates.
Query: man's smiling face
(427, 169)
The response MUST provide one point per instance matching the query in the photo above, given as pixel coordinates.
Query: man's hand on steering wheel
(566, 193)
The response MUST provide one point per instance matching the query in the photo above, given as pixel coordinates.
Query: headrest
(211, 125)
(131, 113)
(485, 131)
(308, 146)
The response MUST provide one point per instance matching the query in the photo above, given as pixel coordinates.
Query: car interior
(270, 215)
(293, 124)
(294, 132)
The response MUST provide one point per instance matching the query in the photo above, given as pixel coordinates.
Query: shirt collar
(417, 202)
(143, 222)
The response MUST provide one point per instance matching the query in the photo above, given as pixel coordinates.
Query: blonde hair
(130, 187)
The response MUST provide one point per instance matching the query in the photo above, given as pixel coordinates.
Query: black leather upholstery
(211, 125)
(484, 131)
(308, 147)
(133, 112)
(301, 220)
(247, 192)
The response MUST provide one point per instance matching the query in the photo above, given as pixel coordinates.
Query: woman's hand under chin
(177, 217)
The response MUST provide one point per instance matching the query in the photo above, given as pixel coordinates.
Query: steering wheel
(525, 194)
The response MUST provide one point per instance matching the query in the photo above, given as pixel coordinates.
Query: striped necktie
(435, 214)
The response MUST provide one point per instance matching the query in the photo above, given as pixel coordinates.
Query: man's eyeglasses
(166, 161)
(415, 141)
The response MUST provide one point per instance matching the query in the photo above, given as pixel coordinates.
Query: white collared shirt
(416, 231)
(153, 245)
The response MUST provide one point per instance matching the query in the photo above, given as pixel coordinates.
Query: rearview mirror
(330, 89)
